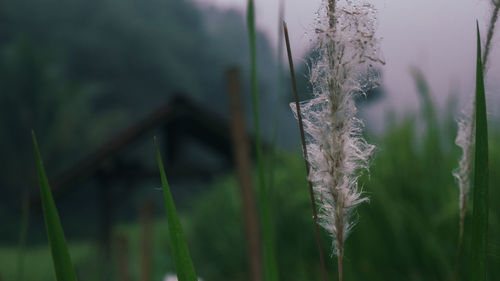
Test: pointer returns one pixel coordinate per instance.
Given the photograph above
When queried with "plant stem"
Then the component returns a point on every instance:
(460, 237)
(304, 149)
(340, 242)
(333, 88)
(340, 266)
(491, 31)
(331, 11)
(270, 267)
(243, 165)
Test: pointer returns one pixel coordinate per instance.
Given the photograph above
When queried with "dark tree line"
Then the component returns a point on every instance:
(77, 71)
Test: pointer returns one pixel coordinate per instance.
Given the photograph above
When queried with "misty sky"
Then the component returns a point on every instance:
(438, 36)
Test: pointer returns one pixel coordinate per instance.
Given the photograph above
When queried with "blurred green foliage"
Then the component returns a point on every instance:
(408, 231)
(79, 71)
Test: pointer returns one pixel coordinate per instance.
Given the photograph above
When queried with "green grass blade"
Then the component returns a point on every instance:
(60, 254)
(481, 179)
(182, 259)
(270, 267)
(424, 91)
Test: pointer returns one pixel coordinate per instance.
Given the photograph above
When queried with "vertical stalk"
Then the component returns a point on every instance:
(340, 243)
(281, 83)
(242, 159)
(304, 150)
(491, 31)
(340, 267)
(333, 87)
(122, 248)
(270, 267)
(331, 11)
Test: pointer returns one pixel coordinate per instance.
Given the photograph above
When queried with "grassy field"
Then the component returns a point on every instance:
(38, 261)
(408, 231)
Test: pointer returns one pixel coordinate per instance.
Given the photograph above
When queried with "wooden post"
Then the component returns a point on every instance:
(244, 168)
(122, 249)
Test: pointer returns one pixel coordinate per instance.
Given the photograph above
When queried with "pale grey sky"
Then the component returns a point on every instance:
(438, 36)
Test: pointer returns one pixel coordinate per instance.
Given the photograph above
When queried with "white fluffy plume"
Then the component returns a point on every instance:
(464, 140)
(346, 49)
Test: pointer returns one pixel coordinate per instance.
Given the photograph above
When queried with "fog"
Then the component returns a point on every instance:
(438, 37)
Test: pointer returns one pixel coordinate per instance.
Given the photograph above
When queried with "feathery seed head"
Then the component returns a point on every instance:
(346, 49)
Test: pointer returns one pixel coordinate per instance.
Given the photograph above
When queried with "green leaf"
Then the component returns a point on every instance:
(270, 267)
(59, 249)
(424, 91)
(182, 259)
(481, 178)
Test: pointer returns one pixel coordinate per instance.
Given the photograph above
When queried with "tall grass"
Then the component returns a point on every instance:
(270, 267)
(491, 31)
(478, 258)
(60, 254)
(182, 259)
(304, 150)
(337, 153)
(466, 139)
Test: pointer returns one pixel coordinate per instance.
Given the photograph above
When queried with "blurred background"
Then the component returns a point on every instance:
(96, 80)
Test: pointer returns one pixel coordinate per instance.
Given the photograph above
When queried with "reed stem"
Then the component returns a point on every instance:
(491, 31)
(304, 149)
(270, 266)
